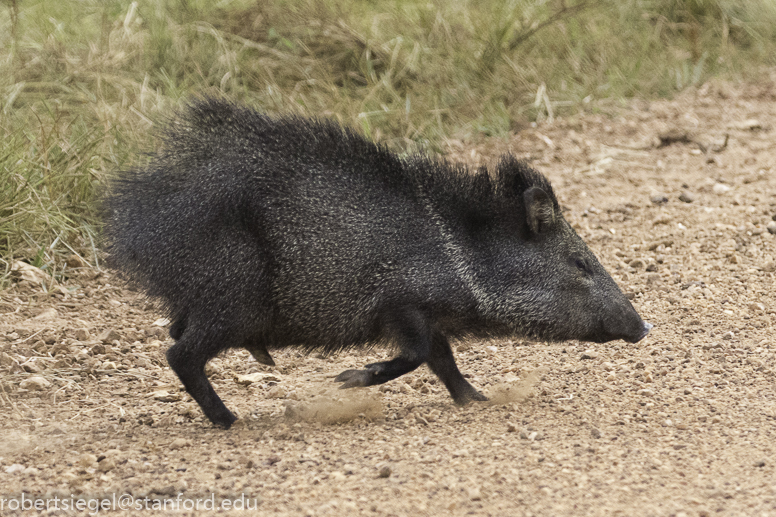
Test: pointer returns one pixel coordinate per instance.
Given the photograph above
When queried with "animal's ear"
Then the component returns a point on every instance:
(539, 210)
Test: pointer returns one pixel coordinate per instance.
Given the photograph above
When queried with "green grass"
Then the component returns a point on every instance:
(84, 82)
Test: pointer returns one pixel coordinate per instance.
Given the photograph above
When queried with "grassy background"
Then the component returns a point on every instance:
(84, 81)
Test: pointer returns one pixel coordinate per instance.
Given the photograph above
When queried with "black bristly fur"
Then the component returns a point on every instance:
(265, 233)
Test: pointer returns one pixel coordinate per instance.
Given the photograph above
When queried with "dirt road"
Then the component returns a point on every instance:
(674, 196)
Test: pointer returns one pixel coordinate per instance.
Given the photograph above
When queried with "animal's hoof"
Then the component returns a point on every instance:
(470, 396)
(354, 378)
(224, 420)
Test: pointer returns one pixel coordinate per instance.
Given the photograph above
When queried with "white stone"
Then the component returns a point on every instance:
(35, 383)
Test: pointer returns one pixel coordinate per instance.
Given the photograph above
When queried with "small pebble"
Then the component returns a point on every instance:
(156, 333)
(750, 124)
(474, 493)
(276, 393)
(757, 307)
(75, 261)
(35, 383)
(106, 465)
(7, 360)
(720, 188)
(87, 460)
(109, 336)
(292, 411)
(771, 227)
(686, 197)
(247, 380)
(658, 198)
(168, 490)
(595, 433)
(33, 366)
(589, 354)
(16, 467)
(179, 443)
(166, 396)
(47, 314)
(384, 472)
(81, 334)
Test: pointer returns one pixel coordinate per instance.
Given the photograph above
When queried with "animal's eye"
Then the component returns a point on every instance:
(581, 264)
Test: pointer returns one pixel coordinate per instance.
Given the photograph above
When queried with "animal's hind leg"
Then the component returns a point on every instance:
(225, 302)
(188, 358)
(442, 363)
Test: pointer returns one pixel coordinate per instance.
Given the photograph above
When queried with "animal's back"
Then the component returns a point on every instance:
(282, 212)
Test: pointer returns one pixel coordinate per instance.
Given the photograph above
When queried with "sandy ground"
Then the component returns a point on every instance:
(675, 197)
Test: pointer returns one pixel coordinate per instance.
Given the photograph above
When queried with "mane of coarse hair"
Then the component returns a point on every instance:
(479, 189)
(207, 124)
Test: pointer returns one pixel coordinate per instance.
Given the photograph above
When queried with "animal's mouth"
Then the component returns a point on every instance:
(644, 331)
(630, 338)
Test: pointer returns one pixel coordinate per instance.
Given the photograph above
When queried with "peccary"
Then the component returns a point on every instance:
(266, 233)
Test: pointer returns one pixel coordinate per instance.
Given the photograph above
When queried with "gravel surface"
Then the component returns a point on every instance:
(677, 198)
